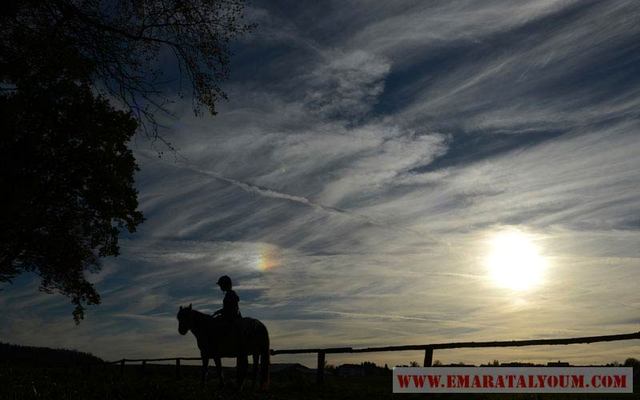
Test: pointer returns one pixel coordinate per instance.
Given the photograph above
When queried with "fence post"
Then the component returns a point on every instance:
(122, 367)
(320, 371)
(177, 368)
(428, 356)
(144, 364)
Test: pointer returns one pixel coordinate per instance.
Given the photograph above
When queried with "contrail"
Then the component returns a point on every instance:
(267, 192)
(270, 193)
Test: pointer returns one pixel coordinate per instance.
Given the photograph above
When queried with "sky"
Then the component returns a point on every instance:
(389, 173)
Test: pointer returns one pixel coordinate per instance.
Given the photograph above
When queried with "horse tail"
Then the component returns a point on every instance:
(264, 369)
(265, 357)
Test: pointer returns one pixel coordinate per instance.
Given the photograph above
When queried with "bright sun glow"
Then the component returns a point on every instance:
(514, 261)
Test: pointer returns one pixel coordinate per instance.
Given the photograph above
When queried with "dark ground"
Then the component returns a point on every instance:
(160, 382)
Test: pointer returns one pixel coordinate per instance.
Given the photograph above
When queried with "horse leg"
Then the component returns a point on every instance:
(264, 369)
(218, 363)
(205, 367)
(241, 369)
(254, 371)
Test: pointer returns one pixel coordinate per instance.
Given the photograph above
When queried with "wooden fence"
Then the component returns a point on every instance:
(427, 348)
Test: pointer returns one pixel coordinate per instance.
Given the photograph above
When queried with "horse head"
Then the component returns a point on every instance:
(185, 319)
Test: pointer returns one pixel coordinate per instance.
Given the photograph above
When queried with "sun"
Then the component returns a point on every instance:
(514, 261)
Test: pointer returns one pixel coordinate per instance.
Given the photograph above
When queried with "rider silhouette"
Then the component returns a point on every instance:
(230, 309)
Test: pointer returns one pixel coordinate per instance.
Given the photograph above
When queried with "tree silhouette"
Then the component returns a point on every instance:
(120, 43)
(67, 178)
(78, 78)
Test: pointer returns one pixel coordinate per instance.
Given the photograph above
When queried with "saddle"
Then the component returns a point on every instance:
(232, 334)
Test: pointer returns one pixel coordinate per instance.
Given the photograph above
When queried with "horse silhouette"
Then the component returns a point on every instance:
(219, 338)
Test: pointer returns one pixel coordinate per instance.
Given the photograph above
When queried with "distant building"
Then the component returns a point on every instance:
(348, 370)
(558, 364)
(290, 368)
(365, 369)
(518, 364)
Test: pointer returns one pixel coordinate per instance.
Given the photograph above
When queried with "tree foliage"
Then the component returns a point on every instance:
(126, 42)
(78, 78)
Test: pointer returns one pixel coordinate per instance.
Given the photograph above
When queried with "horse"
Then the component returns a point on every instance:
(219, 338)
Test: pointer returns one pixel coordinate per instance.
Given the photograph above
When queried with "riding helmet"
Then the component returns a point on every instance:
(224, 281)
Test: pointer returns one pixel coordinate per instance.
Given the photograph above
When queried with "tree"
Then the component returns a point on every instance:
(77, 80)
(631, 362)
(121, 42)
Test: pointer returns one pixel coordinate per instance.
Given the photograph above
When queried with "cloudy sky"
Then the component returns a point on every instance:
(390, 173)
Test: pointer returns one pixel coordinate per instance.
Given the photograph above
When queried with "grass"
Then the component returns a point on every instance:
(159, 382)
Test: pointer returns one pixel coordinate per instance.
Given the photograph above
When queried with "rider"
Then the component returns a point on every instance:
(230, 309)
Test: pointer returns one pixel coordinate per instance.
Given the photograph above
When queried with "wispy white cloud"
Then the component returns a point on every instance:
(347, 86)
(319, 188)
(403, 30)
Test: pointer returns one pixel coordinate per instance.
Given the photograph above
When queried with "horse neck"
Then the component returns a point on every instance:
(198, 319)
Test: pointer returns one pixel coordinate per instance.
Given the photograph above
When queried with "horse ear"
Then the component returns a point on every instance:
(181, 307)
(189, 306)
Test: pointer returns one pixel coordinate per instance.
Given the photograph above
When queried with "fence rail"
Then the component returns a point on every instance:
(427, 348)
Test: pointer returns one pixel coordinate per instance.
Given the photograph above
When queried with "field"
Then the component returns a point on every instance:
(159, 382)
